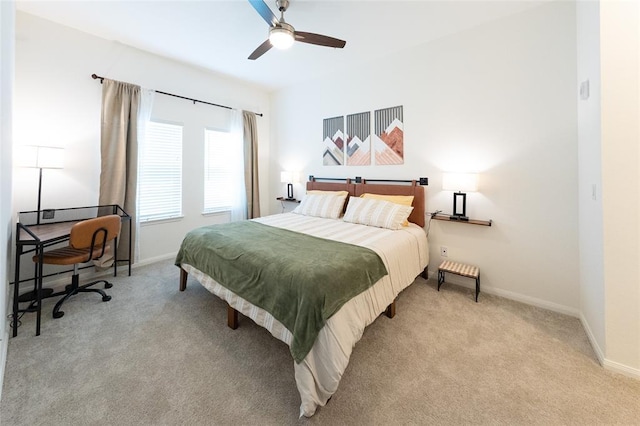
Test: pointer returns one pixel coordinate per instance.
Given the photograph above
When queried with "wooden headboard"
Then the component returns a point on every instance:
(357, 189)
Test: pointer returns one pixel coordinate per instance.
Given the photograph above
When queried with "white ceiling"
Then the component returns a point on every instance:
(219, 35)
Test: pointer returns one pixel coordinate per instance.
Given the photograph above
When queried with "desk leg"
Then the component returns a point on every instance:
(130, 237)
(39, 290)
(114, 247)
(16, 291)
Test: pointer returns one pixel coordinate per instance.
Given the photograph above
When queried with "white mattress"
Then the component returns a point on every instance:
(405, 255)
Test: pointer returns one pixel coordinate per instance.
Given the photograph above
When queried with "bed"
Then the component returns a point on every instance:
(321, 340)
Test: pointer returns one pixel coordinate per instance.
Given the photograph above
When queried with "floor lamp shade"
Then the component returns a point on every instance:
(460, 183)
(41, 157)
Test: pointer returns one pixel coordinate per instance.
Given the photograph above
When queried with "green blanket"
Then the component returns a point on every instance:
(299, 279)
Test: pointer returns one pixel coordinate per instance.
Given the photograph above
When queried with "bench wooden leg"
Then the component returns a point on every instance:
(391, 310)
(232, 317)
(183, 279)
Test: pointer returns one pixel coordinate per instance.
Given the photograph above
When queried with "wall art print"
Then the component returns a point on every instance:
(388, 139)
(359, 139)
(333, 137)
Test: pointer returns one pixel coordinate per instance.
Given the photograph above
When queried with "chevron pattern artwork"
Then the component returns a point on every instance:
(359, 139)
(333, 140)
(363, 144)
(388, 139)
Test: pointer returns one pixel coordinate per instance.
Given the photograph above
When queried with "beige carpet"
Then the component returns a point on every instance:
(156, 356)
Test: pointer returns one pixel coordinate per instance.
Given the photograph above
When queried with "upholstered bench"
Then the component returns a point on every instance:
(459, 269)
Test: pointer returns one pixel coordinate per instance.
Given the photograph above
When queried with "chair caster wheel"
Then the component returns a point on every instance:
(108, 285)
(58, 314)
(106, 298)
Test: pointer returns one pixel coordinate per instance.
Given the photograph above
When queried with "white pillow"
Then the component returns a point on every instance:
(374, 212)
(321, 205)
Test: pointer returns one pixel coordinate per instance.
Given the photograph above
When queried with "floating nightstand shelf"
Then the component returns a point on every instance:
(288, 204)
(449, 218)
(289, 200)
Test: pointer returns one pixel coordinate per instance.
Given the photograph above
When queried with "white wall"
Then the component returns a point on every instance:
(58, 103)
(592, 289)
(7, 13)
(620, 73)
(499, 99)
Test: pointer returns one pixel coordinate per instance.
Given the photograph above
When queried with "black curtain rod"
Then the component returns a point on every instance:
(97, 77)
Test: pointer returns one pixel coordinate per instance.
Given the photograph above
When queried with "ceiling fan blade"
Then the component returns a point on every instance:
(261, 50)
(261, 7)
(320, 40)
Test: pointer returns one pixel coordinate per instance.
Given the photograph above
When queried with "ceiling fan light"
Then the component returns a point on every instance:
(281, 38)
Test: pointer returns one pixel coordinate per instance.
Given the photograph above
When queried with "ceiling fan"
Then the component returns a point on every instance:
(282, 35)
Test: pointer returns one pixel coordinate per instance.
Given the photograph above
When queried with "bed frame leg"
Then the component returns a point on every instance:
(183, 279)
(425, 272)
(232, 317)
(391, 310)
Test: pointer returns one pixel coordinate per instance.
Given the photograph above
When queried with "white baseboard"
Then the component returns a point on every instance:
(621, 368)
(607, 363)
(592, 339)
(533, 301)
(4, 349)
(156, 259)
(555, 307)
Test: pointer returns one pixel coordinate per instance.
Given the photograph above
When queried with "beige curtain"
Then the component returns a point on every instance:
(250, 132)
(119, 156)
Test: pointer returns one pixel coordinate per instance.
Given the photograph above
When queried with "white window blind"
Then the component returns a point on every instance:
(220, 171)
(160, 175)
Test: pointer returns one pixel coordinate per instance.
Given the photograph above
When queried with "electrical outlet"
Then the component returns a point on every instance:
(48, 214)
(444, 251)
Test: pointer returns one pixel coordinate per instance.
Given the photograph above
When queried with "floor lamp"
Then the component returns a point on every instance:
(42, 157)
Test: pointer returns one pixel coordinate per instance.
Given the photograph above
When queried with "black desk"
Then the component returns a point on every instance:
(37, 230)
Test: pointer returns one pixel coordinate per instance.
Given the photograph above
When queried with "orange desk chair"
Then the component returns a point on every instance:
(87, 241)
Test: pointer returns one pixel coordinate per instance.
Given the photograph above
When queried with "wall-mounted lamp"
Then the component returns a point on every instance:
(460, 183)
(289, 178)
(40, 157)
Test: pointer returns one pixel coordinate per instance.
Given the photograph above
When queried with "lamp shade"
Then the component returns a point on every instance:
(289, 177)
(461, 182)
(286, 177)
(41, 157)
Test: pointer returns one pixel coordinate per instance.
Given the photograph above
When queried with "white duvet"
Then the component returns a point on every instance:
(404, 253)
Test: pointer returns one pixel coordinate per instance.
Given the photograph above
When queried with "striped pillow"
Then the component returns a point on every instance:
(321, 205)
(405, 200)
(373, 212)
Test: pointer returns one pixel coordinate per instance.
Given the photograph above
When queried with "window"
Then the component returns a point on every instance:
(221, 184)
(160, 175)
